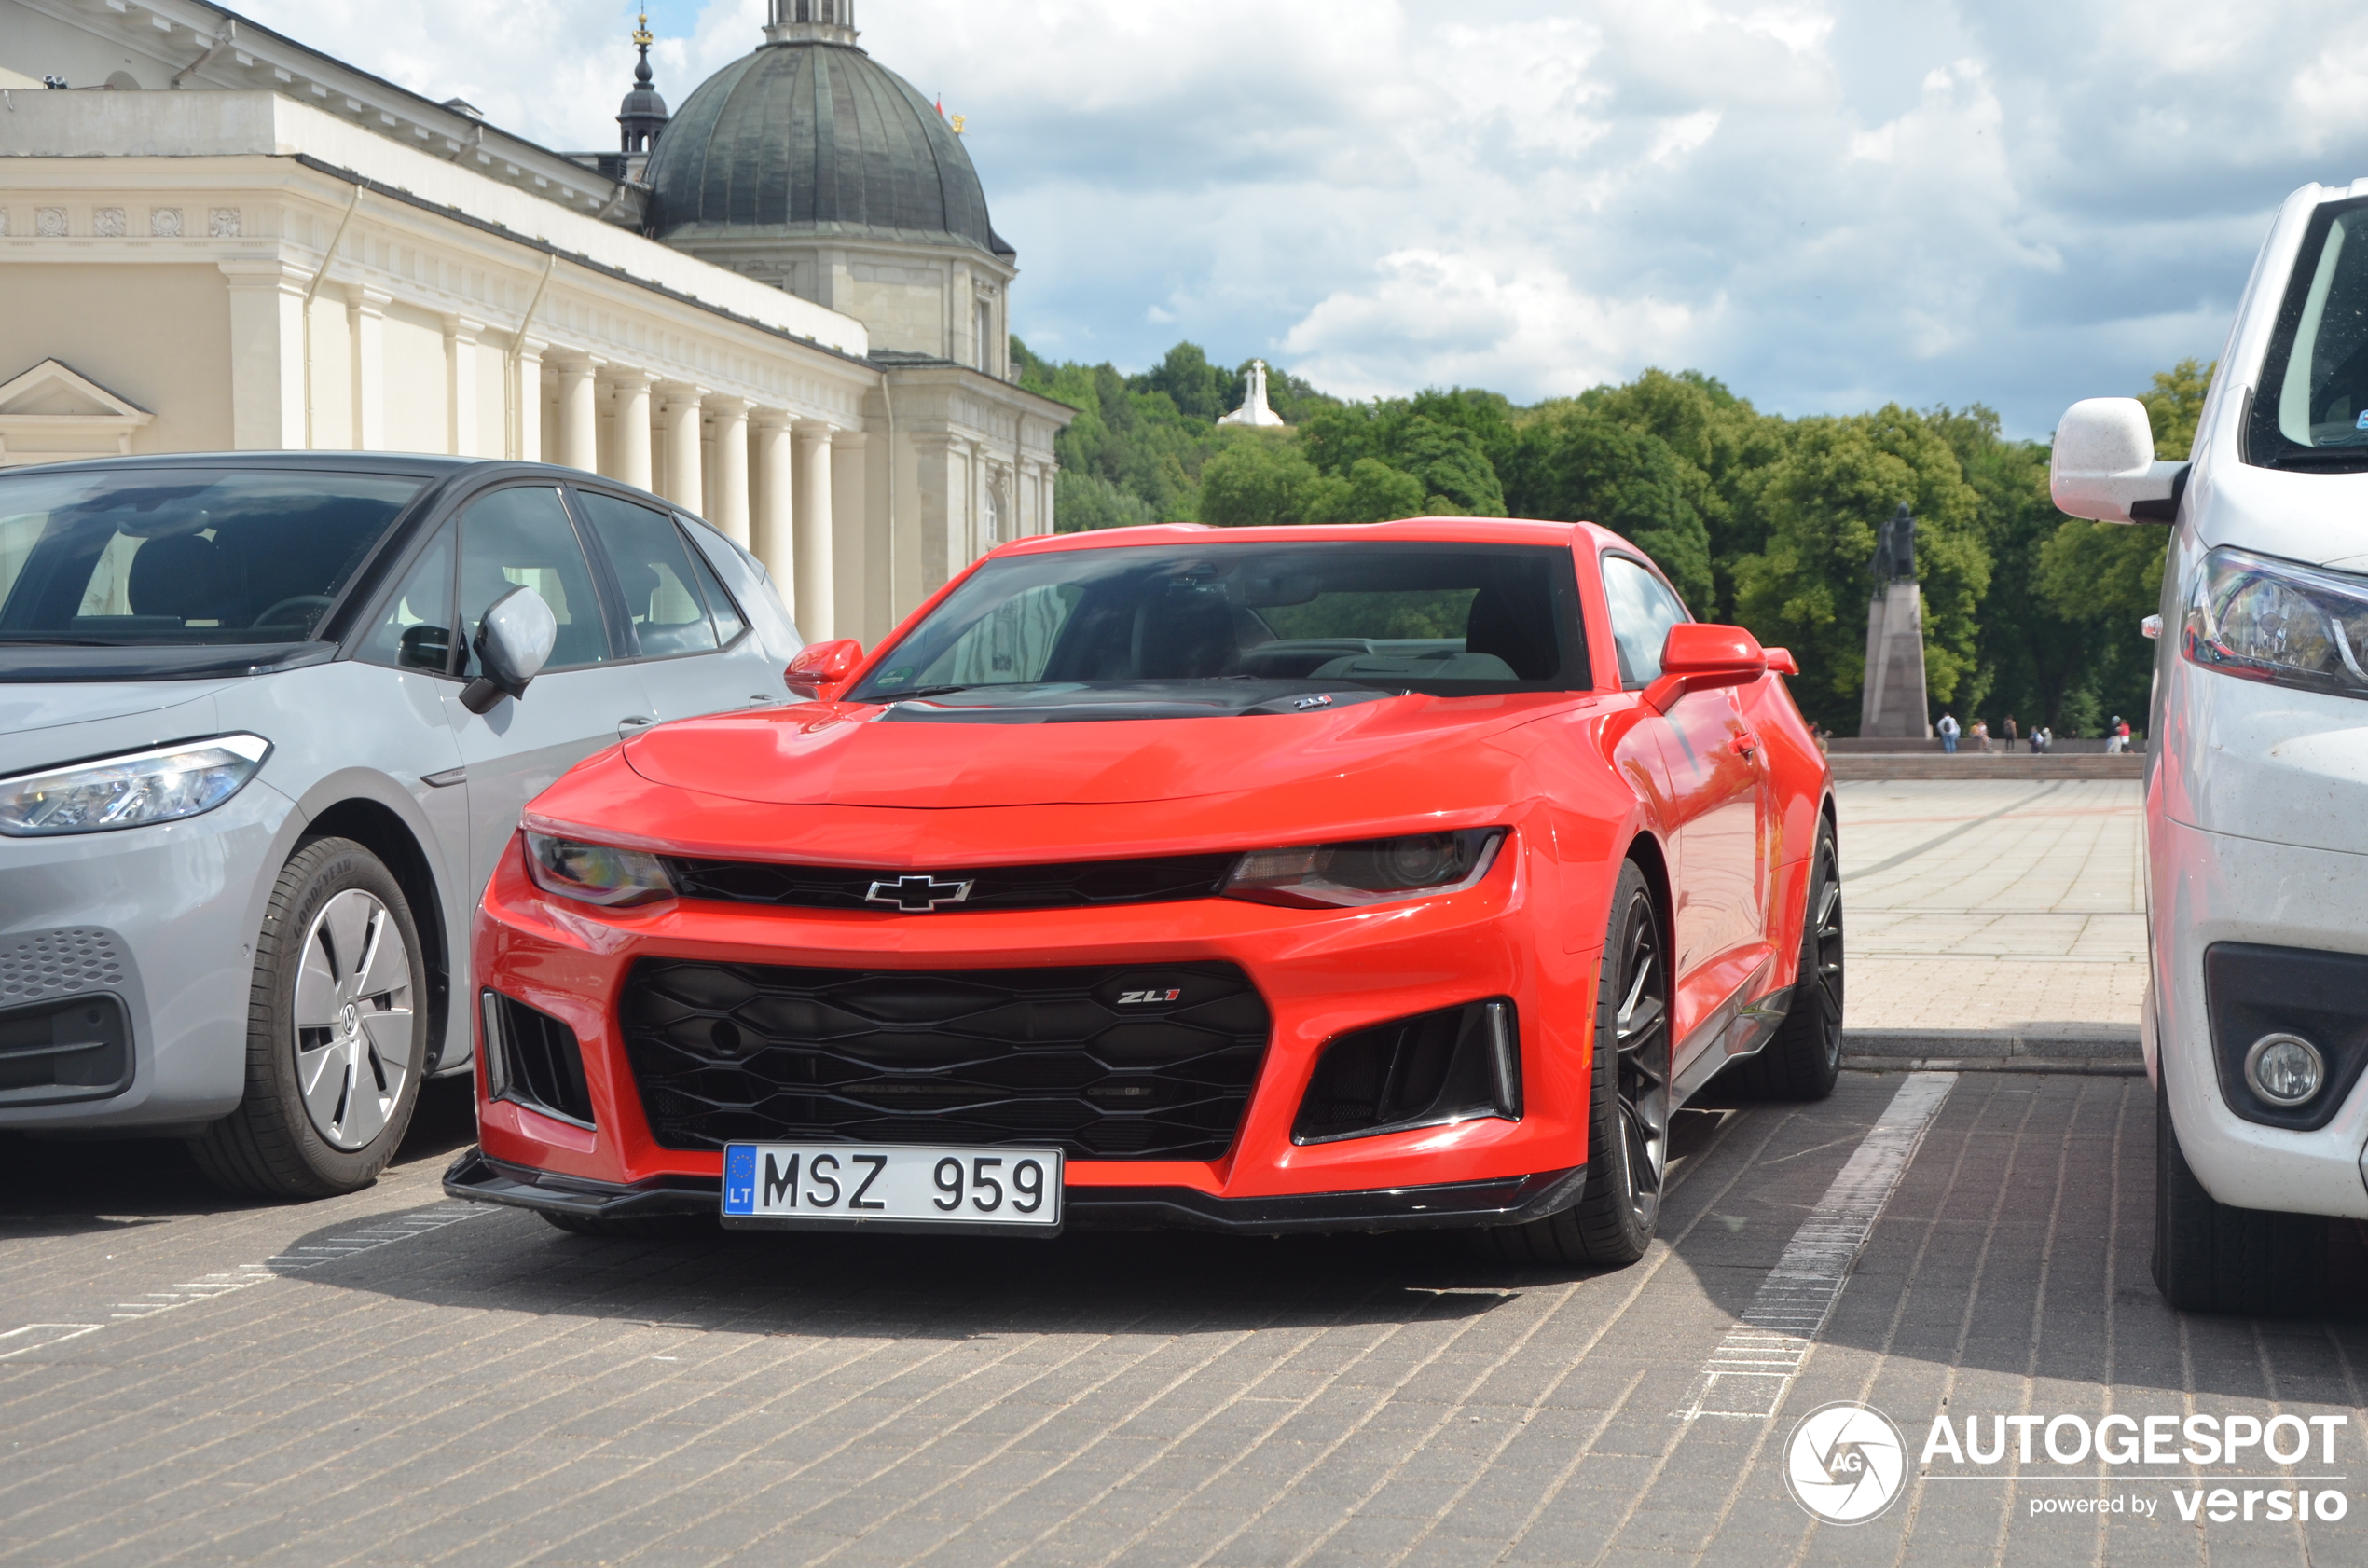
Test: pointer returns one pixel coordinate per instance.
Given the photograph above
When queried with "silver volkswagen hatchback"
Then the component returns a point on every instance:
(265, 723)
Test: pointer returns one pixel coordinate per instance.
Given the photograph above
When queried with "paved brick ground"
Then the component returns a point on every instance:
(489, 1391)
(2004, 906)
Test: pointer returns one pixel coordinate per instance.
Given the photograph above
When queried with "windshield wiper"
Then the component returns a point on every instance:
(13, 639)
(2319, 456)
(924, 692)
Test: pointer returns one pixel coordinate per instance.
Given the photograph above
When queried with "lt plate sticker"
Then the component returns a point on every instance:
(853, 1183)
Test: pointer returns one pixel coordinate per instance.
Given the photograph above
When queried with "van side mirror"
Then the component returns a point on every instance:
(819, 665)
(2103, 465)
(513, 644)
(1697, 657)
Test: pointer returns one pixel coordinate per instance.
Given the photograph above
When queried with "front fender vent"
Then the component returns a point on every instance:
(1455, 1064)
(533, 1060)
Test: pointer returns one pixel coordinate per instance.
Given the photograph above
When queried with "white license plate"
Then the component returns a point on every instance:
(899, 1186)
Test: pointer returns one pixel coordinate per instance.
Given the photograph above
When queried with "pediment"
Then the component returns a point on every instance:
(54, 391)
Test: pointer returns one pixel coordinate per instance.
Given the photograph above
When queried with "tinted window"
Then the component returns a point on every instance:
(2312, 409)
(653, 566)
(522, 538)
(414, 628)
(1447, 618)
(1643, 611)
(175, 558)
(729, 622)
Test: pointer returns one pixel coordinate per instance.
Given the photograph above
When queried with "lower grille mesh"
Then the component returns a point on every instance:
(1140, 1063)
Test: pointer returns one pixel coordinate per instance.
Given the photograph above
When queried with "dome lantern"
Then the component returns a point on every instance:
(811, 21)
(643, 115)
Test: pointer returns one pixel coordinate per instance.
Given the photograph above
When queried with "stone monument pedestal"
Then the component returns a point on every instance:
(1893, 702)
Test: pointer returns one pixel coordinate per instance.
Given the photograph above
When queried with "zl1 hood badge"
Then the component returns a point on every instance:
(918, 895)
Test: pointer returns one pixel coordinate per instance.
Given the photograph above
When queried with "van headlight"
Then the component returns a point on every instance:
(133, 791)
(2280, 623)
(1370, 871)
(596, 873)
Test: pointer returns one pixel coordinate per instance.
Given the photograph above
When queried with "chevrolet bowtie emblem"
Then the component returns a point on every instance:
(919, 894)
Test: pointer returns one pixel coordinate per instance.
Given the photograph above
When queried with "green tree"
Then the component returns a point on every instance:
(1808, 588)
(1088, 500)
(1571, 466)
(1445, 459)
(1261, 479)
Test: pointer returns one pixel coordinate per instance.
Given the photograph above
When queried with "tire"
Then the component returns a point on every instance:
(1805, 1058)
(1628, 1103)
(2210, 1258)
(337, 1007)
(651, 1227)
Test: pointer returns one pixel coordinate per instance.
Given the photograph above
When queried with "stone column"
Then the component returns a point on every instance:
(769, 538)
(632, 443)
(814, 605)
(728, 508)
(851, 537)
(367, 312)
(525, 381)
(681, 414)
(461, 338)
(267, 355)
(579, 413)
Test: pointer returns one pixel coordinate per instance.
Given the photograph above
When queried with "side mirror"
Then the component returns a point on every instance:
(2104, 466)
(822, 665)
(1696, 657)
(513, 644)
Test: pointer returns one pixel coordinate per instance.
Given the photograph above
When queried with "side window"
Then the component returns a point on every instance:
(414, 629)
(729, 621)
(1643, 611)
(653, 566)
(522, 538)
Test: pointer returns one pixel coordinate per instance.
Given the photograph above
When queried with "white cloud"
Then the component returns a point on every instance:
(1826, 204)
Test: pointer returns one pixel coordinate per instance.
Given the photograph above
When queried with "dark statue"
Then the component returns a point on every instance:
(1895, 548)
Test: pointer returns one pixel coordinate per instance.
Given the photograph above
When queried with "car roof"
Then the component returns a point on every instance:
(424, 465)
(1463, 530)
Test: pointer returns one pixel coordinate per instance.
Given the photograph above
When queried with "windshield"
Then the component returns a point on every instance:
(175, 559)
(1446, 618)
(2312, 409)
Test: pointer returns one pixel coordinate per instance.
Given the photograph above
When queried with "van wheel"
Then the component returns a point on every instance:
(1627, 1104)
(1805, 1059)
(336, 1033)
(2210, 1258)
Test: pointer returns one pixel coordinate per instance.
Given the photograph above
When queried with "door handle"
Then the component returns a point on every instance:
(631, 725)
(1745, 745)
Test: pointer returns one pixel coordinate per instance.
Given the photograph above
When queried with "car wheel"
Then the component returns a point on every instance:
(1628, 1104)
(2210, 1258)
(1805, 1058)
(336, 1032)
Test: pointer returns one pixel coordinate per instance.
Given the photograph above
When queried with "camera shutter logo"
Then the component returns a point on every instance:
(1845, 1462)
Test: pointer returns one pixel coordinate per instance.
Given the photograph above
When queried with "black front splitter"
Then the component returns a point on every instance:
(1451, 1206)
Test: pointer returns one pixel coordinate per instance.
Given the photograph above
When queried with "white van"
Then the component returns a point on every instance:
(2256, 1023)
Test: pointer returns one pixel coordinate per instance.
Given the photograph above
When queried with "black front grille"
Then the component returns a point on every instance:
(1077, 885)
(1150, 1061)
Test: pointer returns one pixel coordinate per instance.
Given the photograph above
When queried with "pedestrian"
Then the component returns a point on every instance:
(2115, 730)
(2125, 735)
(1947, 729)
(2011, 735)
(1981, 735)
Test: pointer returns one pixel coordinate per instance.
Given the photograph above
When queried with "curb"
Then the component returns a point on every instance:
(2095, 1048)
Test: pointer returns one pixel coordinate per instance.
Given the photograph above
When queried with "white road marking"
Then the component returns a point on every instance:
(1749, 1373)
(223, 1282)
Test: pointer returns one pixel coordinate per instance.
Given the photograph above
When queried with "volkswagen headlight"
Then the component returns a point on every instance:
(2279, 622)
(1373, 870)
(134, 791)
(596, 873)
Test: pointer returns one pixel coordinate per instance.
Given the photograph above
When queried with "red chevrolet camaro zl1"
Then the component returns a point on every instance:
(1260, 879)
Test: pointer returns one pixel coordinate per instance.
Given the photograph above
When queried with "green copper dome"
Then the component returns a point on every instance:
(810, 139)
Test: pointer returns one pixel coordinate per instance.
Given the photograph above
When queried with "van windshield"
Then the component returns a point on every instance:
(1242, 626)
(2311, 411)
(178, 559)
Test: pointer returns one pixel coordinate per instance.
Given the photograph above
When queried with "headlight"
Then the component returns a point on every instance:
(2278, 621)
(163, 785)
(597, 873)
(1375, 871)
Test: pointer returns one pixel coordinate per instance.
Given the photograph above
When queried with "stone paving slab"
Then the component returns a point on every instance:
(493, 1391)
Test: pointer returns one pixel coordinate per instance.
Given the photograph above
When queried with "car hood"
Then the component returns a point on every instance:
(843, 754)
(41, 706)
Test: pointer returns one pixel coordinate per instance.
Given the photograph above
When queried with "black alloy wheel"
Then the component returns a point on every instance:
(1805, 1058)
(1629, 1103)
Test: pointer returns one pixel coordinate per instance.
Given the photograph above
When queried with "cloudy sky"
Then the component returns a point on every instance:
(1829, 205)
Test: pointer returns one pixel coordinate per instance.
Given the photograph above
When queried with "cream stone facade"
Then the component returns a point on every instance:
(265, 268)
